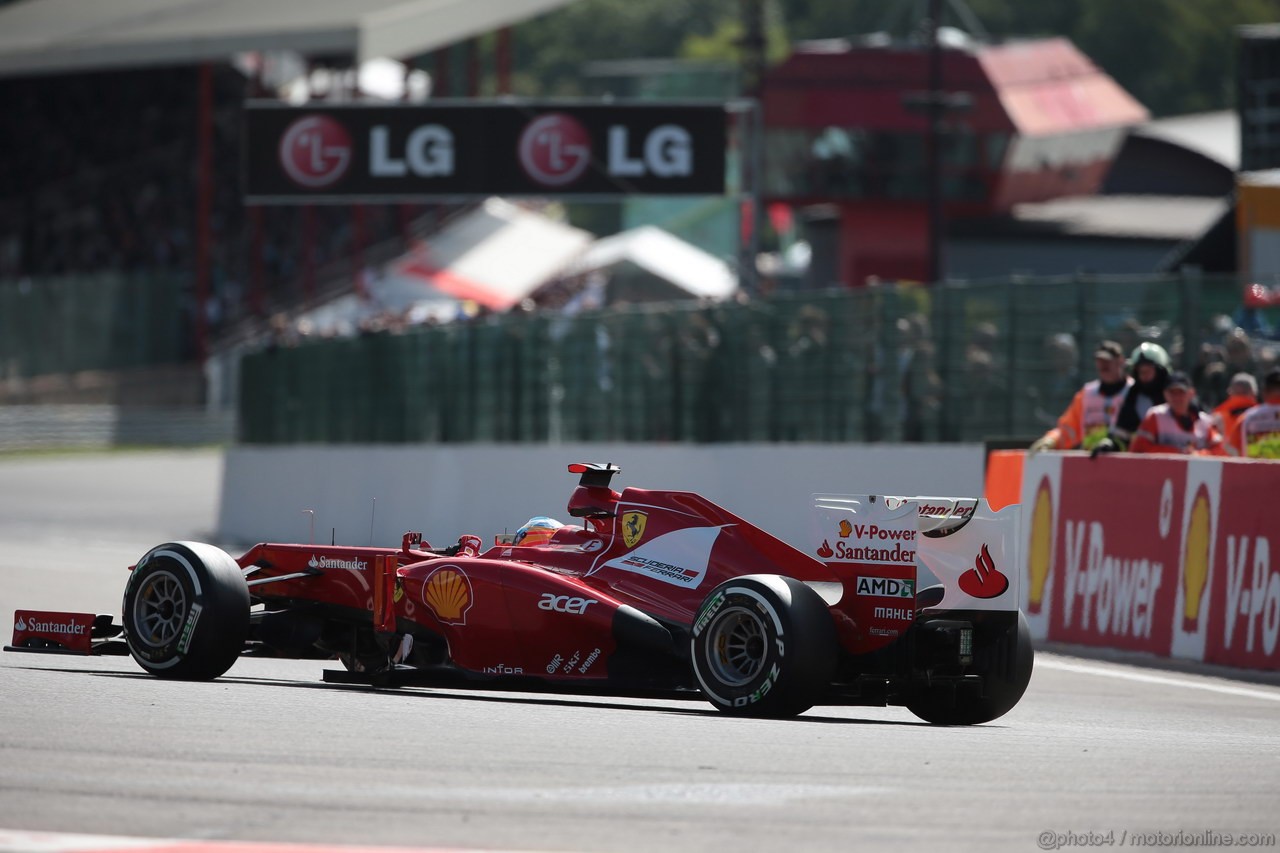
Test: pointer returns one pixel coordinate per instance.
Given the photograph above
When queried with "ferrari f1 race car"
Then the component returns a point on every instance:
(652, 593)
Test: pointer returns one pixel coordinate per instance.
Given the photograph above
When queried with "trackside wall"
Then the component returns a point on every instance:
(1155, 554)
(447, 491)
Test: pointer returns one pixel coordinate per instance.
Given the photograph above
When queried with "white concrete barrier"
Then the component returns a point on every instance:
(373, 494)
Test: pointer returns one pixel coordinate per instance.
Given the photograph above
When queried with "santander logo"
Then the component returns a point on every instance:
(984, 580)
(72, 628)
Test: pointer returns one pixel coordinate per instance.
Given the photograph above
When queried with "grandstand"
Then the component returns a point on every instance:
(123, 235)
(127, 256)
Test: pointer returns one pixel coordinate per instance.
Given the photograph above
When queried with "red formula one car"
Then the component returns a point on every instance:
(655, 592)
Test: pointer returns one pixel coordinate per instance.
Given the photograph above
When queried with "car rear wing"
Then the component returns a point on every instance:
(970, 548)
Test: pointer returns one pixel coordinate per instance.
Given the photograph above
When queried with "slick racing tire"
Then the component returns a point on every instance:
(764, 646)
(1004, 661)
(186, 611)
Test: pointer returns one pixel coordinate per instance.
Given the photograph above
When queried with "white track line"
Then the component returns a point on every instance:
(19, 841)
(1212, 687)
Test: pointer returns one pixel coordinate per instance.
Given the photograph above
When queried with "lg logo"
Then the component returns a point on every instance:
(555, 150)
(428, 153)
(315, 151)
(565, 603)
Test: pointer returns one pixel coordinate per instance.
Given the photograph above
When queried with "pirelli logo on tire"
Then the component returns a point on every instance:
(189, 628)
(709, 611)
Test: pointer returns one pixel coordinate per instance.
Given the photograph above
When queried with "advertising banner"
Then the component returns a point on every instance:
(1153, 554)
(1116, 552)
(346, 153)
(1242, 602)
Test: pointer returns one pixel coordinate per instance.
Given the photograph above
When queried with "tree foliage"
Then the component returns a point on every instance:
(1175, 56)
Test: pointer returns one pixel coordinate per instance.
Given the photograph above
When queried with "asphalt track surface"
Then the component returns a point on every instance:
(269, 753)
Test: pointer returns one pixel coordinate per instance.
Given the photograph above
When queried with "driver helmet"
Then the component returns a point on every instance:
(1147, 351)
(536, 531)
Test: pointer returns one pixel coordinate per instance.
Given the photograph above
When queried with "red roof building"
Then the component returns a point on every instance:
(1041, 121)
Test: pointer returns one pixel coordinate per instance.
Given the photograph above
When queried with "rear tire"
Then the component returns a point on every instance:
(1005, 663)
(764, 646)
(186, 611)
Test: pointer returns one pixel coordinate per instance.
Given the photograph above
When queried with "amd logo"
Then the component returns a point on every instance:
(886, 587)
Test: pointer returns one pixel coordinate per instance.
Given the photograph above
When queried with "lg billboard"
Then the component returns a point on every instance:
(349, 153)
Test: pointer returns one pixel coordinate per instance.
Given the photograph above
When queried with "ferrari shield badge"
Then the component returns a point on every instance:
(633, 527)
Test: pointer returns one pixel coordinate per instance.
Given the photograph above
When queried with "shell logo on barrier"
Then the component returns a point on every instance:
(1040, 552)
(447, 591)
(1195, 561)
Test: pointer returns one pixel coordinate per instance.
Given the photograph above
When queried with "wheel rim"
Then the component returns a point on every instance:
(736, 646)
(160, 609)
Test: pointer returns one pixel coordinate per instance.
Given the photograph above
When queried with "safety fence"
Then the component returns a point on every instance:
(50, 427)
(962, 361)
(109, 321)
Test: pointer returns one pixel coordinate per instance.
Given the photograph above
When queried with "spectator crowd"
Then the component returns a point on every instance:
(99, 174)
(1138, 404)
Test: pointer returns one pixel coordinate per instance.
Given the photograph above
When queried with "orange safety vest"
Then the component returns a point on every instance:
(1226, 417)
(1088, 418)
(1259, 431)
(1162, 432)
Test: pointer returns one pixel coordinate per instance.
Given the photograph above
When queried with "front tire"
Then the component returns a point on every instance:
(764, 646)
(186, 611)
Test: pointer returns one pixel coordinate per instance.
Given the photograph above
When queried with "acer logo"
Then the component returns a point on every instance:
(565, 603)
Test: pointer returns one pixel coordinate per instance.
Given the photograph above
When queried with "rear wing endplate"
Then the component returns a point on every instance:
(972, 549)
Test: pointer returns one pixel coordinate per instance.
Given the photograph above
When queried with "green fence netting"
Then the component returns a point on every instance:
(964, 361)
(108, 321)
